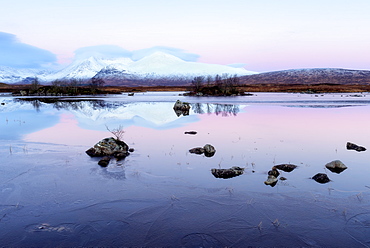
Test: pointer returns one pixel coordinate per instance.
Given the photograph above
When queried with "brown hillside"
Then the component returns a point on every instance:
(310, 76)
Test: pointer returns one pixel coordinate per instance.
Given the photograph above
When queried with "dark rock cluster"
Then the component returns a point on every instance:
(108, 148)
(273, 174)
(208, 150)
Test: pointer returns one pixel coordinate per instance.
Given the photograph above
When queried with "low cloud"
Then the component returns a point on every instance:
(16, 54)
(237, 65)
(112, 51)
(103, 51)
(139, 54)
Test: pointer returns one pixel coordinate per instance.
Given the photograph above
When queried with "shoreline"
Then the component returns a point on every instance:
(284, 88)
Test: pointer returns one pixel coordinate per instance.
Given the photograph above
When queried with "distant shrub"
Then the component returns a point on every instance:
(225, 85)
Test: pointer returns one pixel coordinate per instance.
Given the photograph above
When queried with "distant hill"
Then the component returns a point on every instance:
(309, 76)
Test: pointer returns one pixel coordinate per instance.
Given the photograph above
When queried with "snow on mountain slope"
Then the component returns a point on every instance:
(162, 64)
(12, 75)
(87, 68)
(156, 65)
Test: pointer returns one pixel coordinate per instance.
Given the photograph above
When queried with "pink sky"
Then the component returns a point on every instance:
(265, 35)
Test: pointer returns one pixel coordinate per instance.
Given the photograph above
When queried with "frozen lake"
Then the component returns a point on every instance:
(53, 194)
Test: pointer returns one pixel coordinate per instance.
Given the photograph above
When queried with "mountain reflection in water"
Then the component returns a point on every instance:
(223, 109)
(79, 104)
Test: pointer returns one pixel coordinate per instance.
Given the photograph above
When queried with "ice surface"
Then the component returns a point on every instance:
(53, 194)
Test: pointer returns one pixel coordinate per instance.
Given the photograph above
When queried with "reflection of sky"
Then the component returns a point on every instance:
(66, 132)
(19, 122)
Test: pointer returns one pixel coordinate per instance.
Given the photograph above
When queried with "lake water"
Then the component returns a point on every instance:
(53, 194)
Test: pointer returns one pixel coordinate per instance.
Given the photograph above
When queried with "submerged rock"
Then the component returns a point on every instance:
(351, 146)
(181, 108)
(104, 161)
(321, 178)
(271, 180)
(108, 147)
(121, 155)
(191, 132)
(336, 166)
(227, 173)
(285, 167)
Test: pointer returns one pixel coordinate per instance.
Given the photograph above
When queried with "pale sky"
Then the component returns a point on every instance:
(266, 35)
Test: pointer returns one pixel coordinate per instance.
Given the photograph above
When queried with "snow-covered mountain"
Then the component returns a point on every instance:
(156, 65)
(12, 75)
(163, 64)
(86, 68)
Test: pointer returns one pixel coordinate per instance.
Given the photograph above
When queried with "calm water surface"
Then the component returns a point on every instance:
(53, 194)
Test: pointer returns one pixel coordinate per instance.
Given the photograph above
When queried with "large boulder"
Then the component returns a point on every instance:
(227, 173)
(336, 166)
(181, 108)
(351, 146)
(109, 147)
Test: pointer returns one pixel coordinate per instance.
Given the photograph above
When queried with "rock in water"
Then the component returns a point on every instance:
(104, 161)
(108, 147)
(285, 167)
(181, 108)
(121, 155)
(227, 173)
(336, 166)
(197, 150)
(274, 172)
(321, 178)
(209, 150)
(191, 132)
(351, 146)
(271, 180)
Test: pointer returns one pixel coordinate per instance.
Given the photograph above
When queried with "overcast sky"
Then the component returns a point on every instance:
(265, 35)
